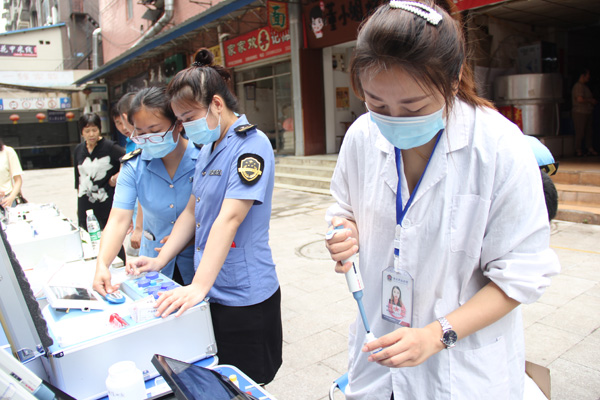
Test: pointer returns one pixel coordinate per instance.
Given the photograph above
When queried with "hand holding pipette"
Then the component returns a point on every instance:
(353, 276)
(342, 246)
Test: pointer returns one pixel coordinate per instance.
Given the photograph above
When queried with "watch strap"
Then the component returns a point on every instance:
(445, 324)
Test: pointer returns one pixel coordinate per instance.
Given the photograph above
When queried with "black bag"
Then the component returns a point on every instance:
(20, 199)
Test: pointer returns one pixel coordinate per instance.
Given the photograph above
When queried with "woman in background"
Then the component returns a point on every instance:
(11, 179)
(96, 162)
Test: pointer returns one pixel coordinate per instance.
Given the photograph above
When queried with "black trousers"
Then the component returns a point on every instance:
(250, 338)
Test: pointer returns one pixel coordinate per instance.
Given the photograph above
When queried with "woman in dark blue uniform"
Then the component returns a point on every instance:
(229, 214)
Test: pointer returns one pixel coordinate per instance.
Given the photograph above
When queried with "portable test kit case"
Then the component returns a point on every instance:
(62, 244)
(80, 369)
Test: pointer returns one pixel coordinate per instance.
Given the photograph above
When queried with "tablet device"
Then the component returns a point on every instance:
(193, 382)
(67, 297)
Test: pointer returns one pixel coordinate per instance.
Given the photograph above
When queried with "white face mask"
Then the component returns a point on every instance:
(409, 132)
(198, 131)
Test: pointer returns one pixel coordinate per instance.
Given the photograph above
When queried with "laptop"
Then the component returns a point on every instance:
(193, 382)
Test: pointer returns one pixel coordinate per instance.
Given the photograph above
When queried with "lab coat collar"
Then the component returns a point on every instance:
(436, 171)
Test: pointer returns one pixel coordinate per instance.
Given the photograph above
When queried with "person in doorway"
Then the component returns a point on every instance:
(583, 108)
(440, 192)
(11, 177)
(164, 164)
(229, 213)
(96, 162)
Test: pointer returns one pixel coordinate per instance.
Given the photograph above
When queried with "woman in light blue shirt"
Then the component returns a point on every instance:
(160, 175)
(228, 214)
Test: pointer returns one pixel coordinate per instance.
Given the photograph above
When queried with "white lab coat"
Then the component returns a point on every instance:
(479, 215)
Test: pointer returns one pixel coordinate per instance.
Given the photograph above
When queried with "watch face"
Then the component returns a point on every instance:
(450, 338)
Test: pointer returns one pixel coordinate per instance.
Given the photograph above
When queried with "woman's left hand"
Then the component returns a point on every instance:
(406, 347)
(113, 180)
(181, 298)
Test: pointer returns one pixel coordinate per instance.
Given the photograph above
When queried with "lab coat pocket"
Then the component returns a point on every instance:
(480, 373)
(468, 221)
(234, 273)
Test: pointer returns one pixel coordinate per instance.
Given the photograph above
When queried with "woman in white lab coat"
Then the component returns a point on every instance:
(441, 195)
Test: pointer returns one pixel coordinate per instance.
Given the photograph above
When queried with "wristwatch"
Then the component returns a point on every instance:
(449, 337)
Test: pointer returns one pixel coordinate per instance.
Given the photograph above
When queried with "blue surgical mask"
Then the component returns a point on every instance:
(159, 150)
(198, 132)
(409, 132)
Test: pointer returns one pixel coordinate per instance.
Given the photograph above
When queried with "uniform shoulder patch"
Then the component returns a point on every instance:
(245, 128)
(131, 155)
(250, 168)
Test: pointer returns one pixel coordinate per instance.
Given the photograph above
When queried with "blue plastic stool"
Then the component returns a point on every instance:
(340, 383)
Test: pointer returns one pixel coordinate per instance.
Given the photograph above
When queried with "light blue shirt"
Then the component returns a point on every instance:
(162, 199)
(248, 274)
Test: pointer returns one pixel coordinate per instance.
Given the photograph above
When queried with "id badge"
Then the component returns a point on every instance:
(397, 296)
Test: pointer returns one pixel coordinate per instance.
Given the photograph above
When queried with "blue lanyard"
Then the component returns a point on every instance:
(400, 213)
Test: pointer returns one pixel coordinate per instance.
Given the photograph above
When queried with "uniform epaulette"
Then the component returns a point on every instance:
(131, 155)
(245, 128)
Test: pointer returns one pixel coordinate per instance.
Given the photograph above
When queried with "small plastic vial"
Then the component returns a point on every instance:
(233, 378)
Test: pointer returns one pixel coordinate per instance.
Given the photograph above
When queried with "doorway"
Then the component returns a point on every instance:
(265, 96)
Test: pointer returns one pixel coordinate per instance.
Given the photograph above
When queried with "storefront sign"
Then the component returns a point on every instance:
(328, 23)
(57, 116)
(332, 22)
(216, 50)
(37, 78)
(462, 5)
(278, 15)
(18, 50)
(33, 103)
(257, 45)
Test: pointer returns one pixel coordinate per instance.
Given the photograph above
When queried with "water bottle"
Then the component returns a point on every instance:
(125, 382)
(93, 228)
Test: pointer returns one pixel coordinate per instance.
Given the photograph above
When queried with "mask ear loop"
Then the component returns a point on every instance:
(422, 10)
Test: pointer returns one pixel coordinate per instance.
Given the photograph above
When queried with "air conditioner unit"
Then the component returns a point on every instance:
(23, 25)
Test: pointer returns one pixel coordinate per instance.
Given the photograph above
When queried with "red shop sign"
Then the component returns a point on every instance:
(257, 45)
(462, 5)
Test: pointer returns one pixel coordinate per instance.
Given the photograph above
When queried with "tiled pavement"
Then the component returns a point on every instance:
(561, 329)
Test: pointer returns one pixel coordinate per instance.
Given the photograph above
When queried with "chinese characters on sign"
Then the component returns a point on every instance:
(278, 16)
(259, 44)
(18, 50)
(263, 43)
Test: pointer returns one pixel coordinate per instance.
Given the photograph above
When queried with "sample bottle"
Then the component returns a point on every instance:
(93, 228)
(234, 379)
(125, 382)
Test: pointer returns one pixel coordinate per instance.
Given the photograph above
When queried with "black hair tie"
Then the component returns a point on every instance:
(198, 64)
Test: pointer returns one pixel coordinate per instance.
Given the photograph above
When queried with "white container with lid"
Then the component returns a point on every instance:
(125, 382)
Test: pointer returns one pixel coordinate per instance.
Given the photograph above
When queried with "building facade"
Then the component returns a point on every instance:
(47, 47)
(290, 60)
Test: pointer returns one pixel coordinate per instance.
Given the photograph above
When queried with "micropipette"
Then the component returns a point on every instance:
(355, 284)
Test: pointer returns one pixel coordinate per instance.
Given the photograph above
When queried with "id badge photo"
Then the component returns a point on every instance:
(397, 297)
